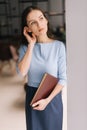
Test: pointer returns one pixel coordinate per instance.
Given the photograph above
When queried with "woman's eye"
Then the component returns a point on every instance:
(32, 23)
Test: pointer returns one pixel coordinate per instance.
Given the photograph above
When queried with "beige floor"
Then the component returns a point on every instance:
(12, 115)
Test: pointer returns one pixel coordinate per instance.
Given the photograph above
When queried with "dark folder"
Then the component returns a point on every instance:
(45, 88)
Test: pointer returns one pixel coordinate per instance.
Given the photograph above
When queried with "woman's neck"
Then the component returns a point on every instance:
(44, 39)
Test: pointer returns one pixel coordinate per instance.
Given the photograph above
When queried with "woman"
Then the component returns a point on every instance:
(39, 54)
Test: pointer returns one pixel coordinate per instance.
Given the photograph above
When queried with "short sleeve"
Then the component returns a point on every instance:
(62, 65)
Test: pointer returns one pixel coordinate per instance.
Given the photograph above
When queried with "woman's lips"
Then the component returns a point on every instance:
(41, 29)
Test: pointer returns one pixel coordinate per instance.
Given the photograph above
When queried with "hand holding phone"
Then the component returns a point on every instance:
(31, 38)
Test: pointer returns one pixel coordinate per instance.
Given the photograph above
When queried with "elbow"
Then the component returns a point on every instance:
(63, 82)
(22, 74)
(21, 71)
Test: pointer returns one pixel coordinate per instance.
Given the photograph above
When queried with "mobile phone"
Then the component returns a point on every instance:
(30, 34)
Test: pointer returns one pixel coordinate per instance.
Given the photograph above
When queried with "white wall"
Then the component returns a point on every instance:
(76, 37)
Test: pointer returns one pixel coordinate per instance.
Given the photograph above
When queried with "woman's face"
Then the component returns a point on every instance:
(37, 23)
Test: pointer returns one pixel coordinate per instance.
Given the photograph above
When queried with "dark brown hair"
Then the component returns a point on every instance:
(24, 22)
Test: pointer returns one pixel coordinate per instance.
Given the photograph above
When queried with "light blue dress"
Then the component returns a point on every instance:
(50, 58)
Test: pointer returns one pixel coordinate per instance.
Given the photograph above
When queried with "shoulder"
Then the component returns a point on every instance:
(59, 44)
(23, 48)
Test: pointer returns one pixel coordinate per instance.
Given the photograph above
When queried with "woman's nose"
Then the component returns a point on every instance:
(39, 24)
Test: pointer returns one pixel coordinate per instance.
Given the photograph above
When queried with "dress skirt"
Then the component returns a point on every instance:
(49, 119)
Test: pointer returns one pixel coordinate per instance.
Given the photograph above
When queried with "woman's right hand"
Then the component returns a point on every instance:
(31, 40)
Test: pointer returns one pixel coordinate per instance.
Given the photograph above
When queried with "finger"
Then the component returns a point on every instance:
(26, 28)
(35, 104)
(33, 35)
(36, 108)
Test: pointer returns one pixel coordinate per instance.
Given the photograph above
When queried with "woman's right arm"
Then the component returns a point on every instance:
(24, 63)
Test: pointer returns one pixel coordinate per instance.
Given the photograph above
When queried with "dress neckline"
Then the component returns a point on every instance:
(46, 43)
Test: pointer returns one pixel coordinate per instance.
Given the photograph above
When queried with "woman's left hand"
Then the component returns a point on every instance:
(40, 105)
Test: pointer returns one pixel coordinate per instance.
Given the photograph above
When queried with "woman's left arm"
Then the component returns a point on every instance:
(61, 73)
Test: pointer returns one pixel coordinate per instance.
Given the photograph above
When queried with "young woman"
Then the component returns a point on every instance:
(38, 54)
